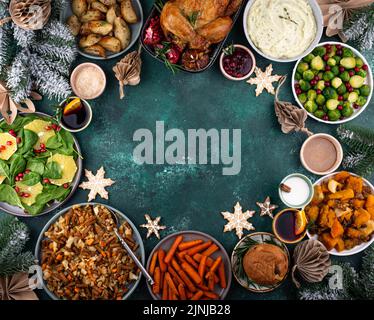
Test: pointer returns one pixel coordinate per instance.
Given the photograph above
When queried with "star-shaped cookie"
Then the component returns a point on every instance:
(266, 207)
(238, 220)
(96, 184)
(152, 226)
(264, 80)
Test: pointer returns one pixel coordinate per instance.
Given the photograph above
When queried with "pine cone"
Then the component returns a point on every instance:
(30, 14)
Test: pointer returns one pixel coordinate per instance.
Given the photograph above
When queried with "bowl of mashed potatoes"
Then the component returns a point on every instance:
(283, 30)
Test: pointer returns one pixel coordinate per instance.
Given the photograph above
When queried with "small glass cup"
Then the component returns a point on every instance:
(284, 226)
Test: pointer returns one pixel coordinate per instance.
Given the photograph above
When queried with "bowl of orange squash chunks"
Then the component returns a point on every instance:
(341, 213)
(189, 265)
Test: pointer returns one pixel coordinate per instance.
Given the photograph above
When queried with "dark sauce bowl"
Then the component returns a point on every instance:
(76, 122)
(243, 60)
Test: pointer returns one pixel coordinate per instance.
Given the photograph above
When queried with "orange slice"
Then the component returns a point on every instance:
(300, 222)
(72, 106)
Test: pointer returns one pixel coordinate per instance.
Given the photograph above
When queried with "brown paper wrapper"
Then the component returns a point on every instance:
(16, 287)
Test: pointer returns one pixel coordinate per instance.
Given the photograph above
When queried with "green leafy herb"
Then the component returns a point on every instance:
(17, 165)
(192, 18)
(53, 142)
(288, 16)
(4, 169)
(9, 195)
(162, 52)
(52, 170)
(228, 51)
(36, 165)
(28, 140)
(31, 179)
(159, 4)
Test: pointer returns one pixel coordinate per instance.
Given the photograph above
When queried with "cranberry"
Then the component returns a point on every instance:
(58, 128)
(341, 69)
(26, 195)
(12, 132)
(66, 185)
(297, 86)
(356, 106)
(328, 50)
(327, 46)
(313, 82)
(327, 83)
(338, 46)
(350, 89)
(16, 189)
(46, 181)
(365, 67)
(16, 178)
(339, 52)
(9, 143)
(21, 194)
(340, 107)
(298, 91)
(319, 91)
(326, 57)
(2, 148)
(316, 78)
(348, 85)
(326, 118)
(351, 73)
(340, 98)
(327, 68)
(20, 175)
(341, 118)
(19, 140)
(42, 146)
(357, 69)
(36, 150)
(43, 150)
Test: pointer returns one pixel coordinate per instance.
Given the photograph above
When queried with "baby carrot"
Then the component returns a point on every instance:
(209, 261)
(222, 276)
(165, 290)
(191, 272)
(202, 266)
(171, 283)
(214, 267)
(175, 274)
(182, 292)
(189, 244)
(191, 261)
(213, 248)
(197, 295)
(173, 248)
(152, 266)
(183, 276)
(198, 248)
(157, 279)
(161, 257)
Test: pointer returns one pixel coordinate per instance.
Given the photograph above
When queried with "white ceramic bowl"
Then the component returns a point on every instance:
(248, 74)
(356, 249)
(319, 21)
(368, 81)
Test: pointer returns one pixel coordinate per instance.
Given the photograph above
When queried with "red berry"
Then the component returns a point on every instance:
(313, 82)
(21, 194)
(338, 46)
(48, 128)
(342, 118)
(339, 52)
(12, 132)
(327, 68)
(16, 178)
(20, 175)
(327, 83)
(350, 89)
(319, 91)
(340, 98)
(341, 69)
(66, 185)
(356, 106)
(357, 69)
(46, 181)
(36, 150)
(27, 171)
(326, 57)
(365, 67)
(351, 73)
(42, 146)
(297, 86)
(58, 128)
(348, 85)
(340, 107)
(16, 189)
(316, 78)
(9, 143)
(43, 150)
(298, 91)
(326, 118)
(2, 148)
(19, 140)
(26, 195)
(327, 46)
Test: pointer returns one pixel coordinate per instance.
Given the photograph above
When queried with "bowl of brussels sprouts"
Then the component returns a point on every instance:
(333, 83)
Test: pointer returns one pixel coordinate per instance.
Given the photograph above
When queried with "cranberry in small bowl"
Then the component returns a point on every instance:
(237, 62)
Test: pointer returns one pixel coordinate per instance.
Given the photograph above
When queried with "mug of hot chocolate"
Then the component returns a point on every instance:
(321, 154)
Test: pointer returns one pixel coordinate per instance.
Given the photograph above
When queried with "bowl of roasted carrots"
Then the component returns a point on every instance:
(189, 265)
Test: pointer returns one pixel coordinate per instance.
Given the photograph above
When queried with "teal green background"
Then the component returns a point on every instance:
(191, 197)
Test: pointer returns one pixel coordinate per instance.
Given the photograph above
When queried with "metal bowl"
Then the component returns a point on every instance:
(319, 22)
(138, 239)
(189, 235)
(16, 211)
(135, 31)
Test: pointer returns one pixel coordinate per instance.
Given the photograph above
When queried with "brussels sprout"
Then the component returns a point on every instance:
(298, 76)
(304, 85)
(332, 104)
(319, 51)
(331, 62)
(362, 73)
(348, 63)
(317, 63)
(361, 101)
(332, 51)
(308, 75)
(346, 95)
(320, 75)
(337, 59)
(336, 82)
(328, 75)
(365, 90)
(320, 100)
(359, 62)
(347, 53)
(330, 93)
(345, 76)
(335, 70)
(347, 110)
(320, 85)
(342, 89)
(352, 97)
(302, 97)
(311, 106)
(308, 58)
(303, 66)
(319, 114)
(356, 81)
(334, 115)
(312, 94)
(357, 91)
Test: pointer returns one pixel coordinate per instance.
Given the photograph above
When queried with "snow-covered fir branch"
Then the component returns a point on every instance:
(24, 38)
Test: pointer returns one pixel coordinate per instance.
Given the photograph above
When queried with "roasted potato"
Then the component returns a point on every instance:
(122, 32)
(112, 44)
(108, 2)
(91, 15)
(74, 24)
(97, 5)
(89, 41)
(128, 12)
(96, 50)
(79, 7)
(85, 29)
(111, 15)
(100, 27)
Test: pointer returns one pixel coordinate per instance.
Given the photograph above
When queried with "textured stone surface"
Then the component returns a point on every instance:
(191, 197)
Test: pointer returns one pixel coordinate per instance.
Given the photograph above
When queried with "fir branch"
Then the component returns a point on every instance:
(24, 38)
(57, 7)
(367, 275)
(159, 5)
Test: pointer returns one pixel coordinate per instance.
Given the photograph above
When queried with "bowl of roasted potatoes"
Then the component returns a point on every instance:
(341, 214)
(104, 29)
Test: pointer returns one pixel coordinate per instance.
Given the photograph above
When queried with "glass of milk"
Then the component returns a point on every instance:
(301, 192)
